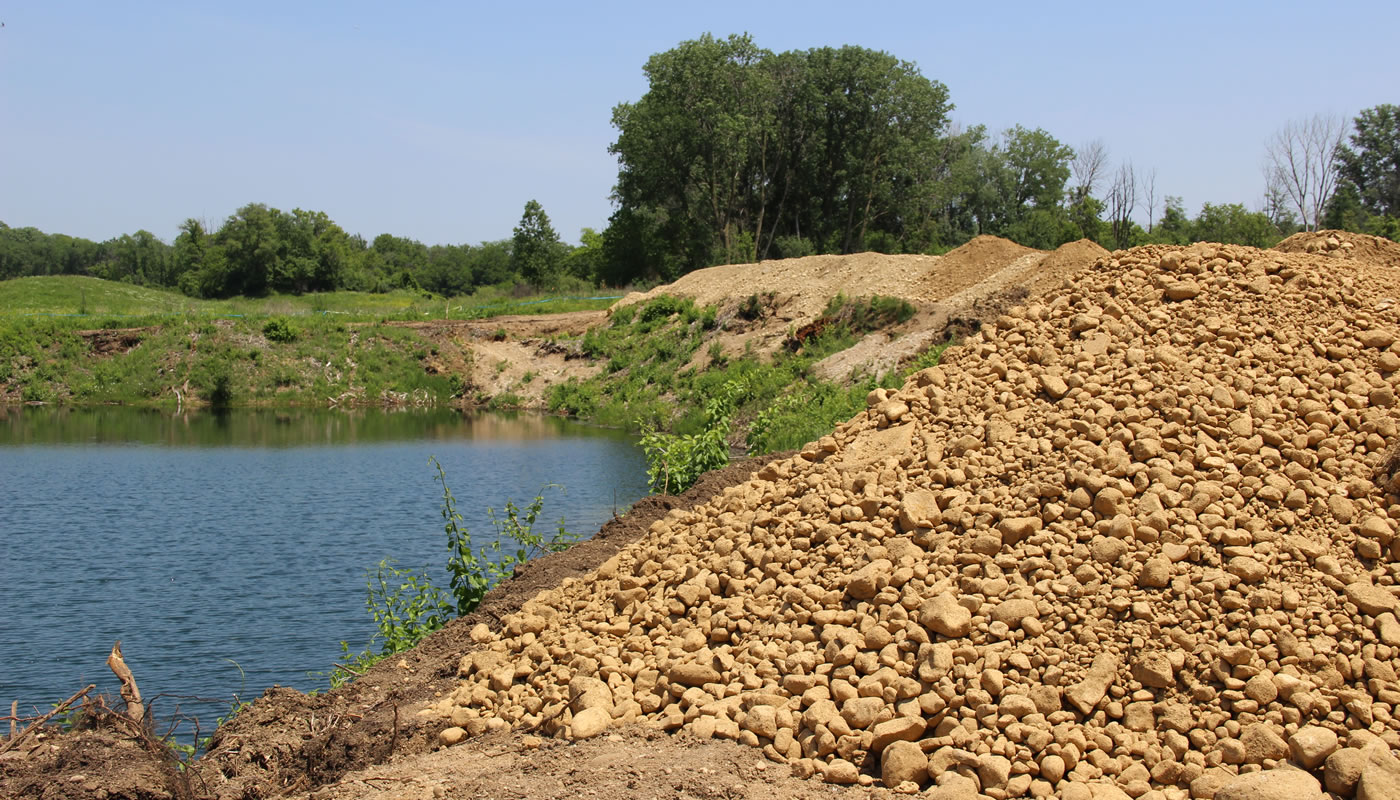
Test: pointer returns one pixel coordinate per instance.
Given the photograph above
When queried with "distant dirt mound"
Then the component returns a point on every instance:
(983, 252)
(1341, 243)
(1066, 260)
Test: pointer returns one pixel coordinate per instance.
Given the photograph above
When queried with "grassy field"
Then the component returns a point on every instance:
(71, 295)
(74, 340)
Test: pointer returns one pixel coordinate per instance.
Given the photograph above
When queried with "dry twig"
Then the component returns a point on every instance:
(14, 740)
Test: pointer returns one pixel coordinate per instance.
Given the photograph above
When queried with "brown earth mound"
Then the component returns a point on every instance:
(1065, 261)
(1372, 249)
(1127, 537)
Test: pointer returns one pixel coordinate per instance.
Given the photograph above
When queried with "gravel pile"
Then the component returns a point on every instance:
(1139, 538)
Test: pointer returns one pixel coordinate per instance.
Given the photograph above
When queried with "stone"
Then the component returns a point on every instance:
(451, 736)
(1311, 745)
(1262, 743)
(993, 771)
(762, 721)
(898, 729)
(1380, 778)
(586, 691)
(1054, 385)
(1182, 290)
(918, 510)
(1086, 694)
(589, 723)
(692, 674)
(1282, 783)
(1371, 599)
(1342, 771)
(1154, 670)
(903, 761)
(943, 615)
(1013, 611)
(1052, 768)
(840, 771)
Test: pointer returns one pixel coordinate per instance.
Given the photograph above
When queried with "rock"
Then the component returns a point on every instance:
(870, 579)
(1054, 385)
(1380, 778)
(1262, 743)
(1377, 338)
(586, 691)
(993, 771)
(1377, 528)
(1311, 745)
(861, 712)
(1052, 768)
(840, 771)
(762, 721)
(451, 736)
(1156, 573)
(1283, 783)
(898, 729)
(1342, 771)
(919, 510)
(1087, 693)
(1182, 290)
(693, 674)
(1371, 599)
(1154, 670)
(1013, 611)
(903, 761)
(589, 723)
(943, 615)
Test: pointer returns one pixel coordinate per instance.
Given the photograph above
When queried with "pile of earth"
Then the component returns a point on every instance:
(1138, 537)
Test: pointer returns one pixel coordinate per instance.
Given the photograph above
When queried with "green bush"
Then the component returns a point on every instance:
(279, 329)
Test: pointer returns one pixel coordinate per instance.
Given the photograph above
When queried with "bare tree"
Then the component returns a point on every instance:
(1149, 196)
(1300, 161)
(1122, 197)
(1087, 167)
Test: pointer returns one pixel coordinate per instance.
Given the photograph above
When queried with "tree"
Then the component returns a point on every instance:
(1301, 163)
(1087, 167)
(1122, 198)
(535, 252)
(733, 149)
(1372, 161)
(1149, 196)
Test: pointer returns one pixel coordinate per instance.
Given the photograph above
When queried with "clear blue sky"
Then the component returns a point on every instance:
(438, 121)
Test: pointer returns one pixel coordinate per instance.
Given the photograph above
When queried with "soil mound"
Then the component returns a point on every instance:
(1128, 535)
(984, 254)
(1372, 249)
(1066, 260)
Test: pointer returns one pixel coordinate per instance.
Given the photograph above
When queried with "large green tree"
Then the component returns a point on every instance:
(736, 153)
(1372, 161)
(535, 248)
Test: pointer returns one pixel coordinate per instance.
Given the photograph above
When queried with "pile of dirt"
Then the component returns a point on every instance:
(1065, 261)
(1360, 246)
(1125, 541)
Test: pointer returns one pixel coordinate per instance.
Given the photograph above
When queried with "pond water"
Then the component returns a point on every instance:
(229, 552)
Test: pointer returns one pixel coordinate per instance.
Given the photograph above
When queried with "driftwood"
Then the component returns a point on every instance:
(135, 710)
(58, 709)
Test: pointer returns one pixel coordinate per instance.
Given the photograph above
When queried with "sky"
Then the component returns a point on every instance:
(439, 121)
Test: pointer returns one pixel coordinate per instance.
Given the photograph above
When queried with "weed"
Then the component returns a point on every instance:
(407, 606)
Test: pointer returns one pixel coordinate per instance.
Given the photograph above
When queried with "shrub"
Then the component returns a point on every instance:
(279, 329)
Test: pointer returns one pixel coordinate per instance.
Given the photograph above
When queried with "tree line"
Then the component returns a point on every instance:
(736, 154)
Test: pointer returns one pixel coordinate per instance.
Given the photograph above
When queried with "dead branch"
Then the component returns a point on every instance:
(130, 693)
(14, 740)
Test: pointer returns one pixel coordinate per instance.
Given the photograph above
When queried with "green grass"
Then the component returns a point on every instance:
(63, 295)
(647, 383)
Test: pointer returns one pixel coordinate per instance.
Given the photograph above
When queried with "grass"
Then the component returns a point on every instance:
(71, 295)
(333, 348)
(647, 382)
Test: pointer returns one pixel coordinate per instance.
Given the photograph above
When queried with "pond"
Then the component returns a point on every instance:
(229, 552)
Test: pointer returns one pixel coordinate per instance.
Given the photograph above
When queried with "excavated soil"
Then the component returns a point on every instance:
(1127, 541)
